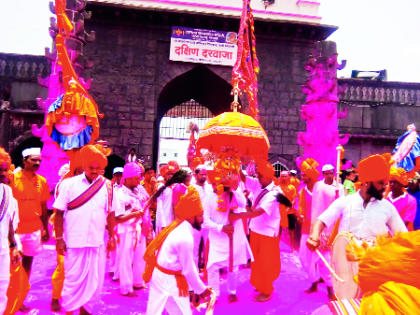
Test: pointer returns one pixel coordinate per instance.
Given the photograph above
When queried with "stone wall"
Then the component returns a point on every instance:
(132, 67)
(19, 90)
(378, 113)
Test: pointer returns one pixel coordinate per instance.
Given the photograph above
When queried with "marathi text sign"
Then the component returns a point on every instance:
(203, 46)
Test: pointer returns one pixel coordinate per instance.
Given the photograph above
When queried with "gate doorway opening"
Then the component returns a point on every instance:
(173, 135)
(194, 96)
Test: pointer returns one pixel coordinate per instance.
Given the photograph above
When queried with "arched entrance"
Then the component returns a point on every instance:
(200, 87)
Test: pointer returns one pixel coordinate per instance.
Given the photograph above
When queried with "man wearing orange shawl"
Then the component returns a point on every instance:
(364, 214)
(86, 201)
(265, 227)
(324, 194)
(9, 219)
(170, 266)
(309, 175)
(405, 204)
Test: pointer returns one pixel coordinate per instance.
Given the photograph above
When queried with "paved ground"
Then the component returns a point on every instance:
(288, 297)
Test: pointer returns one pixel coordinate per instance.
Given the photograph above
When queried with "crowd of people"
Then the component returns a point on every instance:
(172, 232)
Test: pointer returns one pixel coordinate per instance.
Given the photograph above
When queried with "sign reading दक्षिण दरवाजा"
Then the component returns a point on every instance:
(203, 46)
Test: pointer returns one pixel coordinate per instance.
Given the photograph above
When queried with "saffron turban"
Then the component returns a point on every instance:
(309, 168)
(94, 153)
(5, 158)
(189, 205)
(171, 166)
(373, 168)
(265, 169)
(399, 174)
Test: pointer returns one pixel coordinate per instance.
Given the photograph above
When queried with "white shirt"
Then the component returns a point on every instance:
(340, 187)
(379, 217)
(124, 203)
(84, 226)
(164, 213)
(11, 214)
(214, 221)
(176, 254)
(268, 223)
(131, 158)
(204, 191)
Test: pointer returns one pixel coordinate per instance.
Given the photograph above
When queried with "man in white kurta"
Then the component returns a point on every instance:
(217, 223)
(128, 207)
(204, 189)
(365, 214)
(265, 228)
(80, 232)
(9, 220)
(323, 195)
(175, 257)
(164, 210)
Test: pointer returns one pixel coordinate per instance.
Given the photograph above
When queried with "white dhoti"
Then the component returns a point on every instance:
(164, 294)
(112, 260)
(131, 264)
(214, 277)
(31, 243)
(304, 253)
(4, 280)
(117, 262)
(317, 268)
(84, 277)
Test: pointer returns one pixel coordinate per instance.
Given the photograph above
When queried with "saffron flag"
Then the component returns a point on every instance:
(246, 68)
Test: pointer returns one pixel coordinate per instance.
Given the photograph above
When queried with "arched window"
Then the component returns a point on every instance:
(279, 168)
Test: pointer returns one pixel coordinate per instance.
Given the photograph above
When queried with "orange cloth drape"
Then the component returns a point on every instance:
(57, 278)
(265, 268)
(18, 289)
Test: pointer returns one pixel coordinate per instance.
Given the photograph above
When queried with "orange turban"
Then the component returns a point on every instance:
(171, 166)
(399, 174)
(94, 153)
(5, 158)
(373, 168)
(309, 168)
(265, 169)
(190, 204)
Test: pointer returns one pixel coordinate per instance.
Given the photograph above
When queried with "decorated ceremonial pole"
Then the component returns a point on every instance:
(72, 116)
(320, 111)
(232, 135)
(75, 39)
(338, 172)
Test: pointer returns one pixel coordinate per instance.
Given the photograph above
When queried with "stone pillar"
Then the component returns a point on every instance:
(53, 156)
(320, 111)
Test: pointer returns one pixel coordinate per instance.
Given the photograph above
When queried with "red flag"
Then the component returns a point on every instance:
(244, 73)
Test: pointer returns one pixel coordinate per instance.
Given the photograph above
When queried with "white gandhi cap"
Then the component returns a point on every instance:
(327, 167)
(31, 151)
(118, 170)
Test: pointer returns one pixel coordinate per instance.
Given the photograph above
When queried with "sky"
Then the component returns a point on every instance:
(372, 34)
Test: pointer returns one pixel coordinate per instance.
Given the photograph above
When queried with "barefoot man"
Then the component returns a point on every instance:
(170, 264)
(265, 228)
(83, 209)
